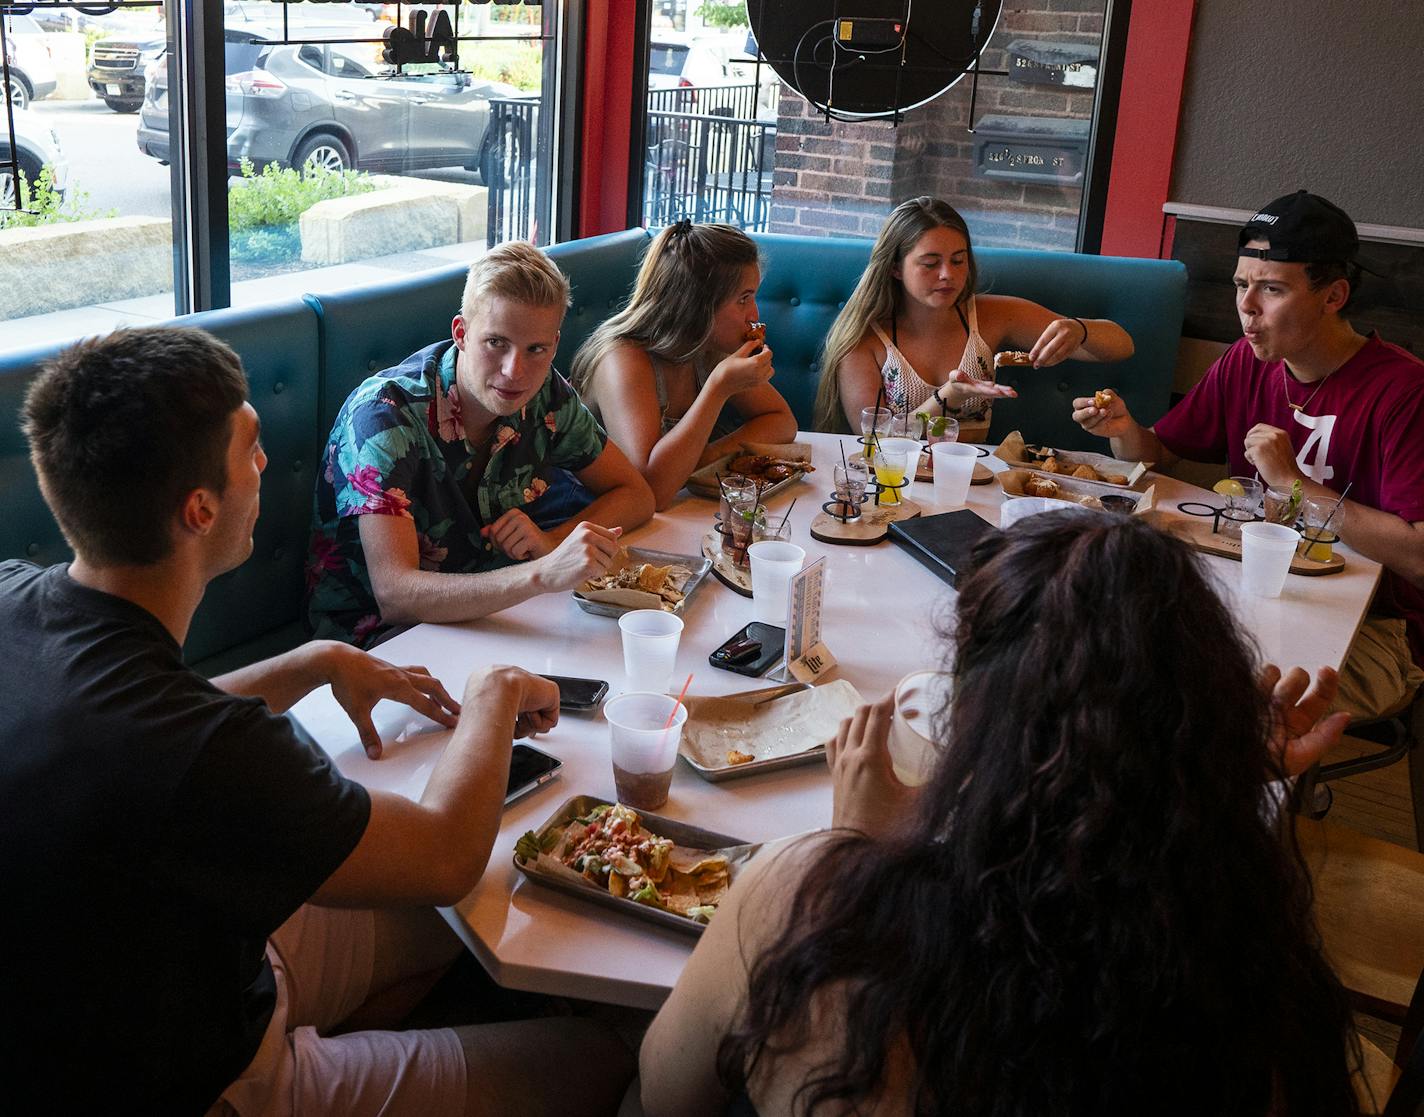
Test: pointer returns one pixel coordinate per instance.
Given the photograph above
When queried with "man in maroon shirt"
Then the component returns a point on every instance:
(1305, 397)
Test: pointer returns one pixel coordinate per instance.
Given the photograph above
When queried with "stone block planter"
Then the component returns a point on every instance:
(405, 215)
(83, 263)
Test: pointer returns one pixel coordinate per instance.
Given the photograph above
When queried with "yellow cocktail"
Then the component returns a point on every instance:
(1319, 545)
(890, 475)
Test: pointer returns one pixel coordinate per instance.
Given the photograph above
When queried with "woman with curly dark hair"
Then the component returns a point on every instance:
(1090, 908)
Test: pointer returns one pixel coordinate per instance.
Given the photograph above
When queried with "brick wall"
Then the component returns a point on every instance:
(841, 179)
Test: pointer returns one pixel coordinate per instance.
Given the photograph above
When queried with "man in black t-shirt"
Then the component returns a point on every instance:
(194, 900)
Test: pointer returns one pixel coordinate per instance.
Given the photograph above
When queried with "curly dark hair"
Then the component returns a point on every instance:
(1093, 910)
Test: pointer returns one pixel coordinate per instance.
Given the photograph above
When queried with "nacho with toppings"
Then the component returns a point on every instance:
(611, 850)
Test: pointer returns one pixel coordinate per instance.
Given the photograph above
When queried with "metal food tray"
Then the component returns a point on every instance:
(704, 481)
(698, 564)
(815, 754)
(693, 837)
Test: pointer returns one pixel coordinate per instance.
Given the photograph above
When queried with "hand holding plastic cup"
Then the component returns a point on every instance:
(1266, 553)
(644, 746)
(773, 565)
(919, 697)
(953, 470)
(650, 640)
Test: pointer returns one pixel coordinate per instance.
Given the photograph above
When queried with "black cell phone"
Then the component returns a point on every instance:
(579, 694)
(752, 650)
(528, 768)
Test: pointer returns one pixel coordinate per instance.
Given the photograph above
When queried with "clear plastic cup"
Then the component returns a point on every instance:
(1240, 509)
(1266, 553)
(953, 470)
(1012, 511)
(919, 697)
(773, 565)
(1320, 540)
(644, 746)
(894, 466)
(650, 640)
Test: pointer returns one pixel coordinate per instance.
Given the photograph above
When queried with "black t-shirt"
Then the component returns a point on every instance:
(154, 831)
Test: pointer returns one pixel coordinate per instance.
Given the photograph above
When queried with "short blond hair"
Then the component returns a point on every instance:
(517, 271)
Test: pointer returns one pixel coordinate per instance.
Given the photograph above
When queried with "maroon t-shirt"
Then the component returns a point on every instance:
(1365, 425)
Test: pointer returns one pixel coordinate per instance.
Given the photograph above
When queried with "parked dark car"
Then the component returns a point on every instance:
(336, 105)
(117, 65)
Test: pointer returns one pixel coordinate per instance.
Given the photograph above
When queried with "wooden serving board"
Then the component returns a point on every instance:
(734, 577)
(870, 528)
(1196, 530)
(982, 474)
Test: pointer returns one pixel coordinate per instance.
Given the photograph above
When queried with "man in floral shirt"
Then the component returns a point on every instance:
(434, 468)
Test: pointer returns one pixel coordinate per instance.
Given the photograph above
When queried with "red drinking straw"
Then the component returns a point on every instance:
(681, 695)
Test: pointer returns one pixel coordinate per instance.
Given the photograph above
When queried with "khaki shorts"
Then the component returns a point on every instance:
(323, 959)
(1379, 676)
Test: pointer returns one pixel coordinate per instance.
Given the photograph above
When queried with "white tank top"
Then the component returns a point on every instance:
(906, 390)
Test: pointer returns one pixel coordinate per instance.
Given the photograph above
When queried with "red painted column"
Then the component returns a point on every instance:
(1154, 72)
(607, 108)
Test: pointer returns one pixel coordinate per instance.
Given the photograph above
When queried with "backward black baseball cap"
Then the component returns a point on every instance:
(1302, 228)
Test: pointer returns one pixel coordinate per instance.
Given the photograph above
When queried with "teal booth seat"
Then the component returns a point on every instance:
(255, 607)
(303, 357)
(807, 281)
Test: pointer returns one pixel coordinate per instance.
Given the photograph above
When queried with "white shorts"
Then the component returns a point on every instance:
(323, 959)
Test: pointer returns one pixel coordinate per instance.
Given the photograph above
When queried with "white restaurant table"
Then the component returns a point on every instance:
(879, 620)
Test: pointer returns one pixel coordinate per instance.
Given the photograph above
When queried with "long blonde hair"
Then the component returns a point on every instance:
(878, 295)
(689, 271)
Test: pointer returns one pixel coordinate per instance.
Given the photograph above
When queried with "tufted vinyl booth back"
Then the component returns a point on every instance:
(807, 281)
(260, 599)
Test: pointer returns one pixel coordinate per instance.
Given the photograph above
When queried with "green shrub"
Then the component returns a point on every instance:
(263, 209)
(280, 195)
(722, 13)
(519, 64)
(44, 206)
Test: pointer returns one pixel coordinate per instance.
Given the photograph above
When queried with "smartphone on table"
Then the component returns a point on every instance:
(528, 769)
(579, 694)
(752, 650)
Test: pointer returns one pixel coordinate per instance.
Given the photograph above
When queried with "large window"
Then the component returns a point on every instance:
(345, 162)
(728, 141)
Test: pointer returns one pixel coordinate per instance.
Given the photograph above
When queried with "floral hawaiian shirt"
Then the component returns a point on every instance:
(398, 449)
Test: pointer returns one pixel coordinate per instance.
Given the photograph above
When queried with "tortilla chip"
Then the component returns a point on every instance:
(693, 861)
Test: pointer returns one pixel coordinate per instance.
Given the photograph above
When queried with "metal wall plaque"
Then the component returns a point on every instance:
(1039, 62)
(1031, 148)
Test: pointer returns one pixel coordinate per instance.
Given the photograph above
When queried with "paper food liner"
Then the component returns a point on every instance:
(1011, 450)
(718, 726)
(630, 598)
(1075, 489)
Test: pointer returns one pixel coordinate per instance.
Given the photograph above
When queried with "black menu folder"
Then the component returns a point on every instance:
(943, 542)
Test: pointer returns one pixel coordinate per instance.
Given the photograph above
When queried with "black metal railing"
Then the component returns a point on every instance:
(707, 158)
(708, 167)
(508, 168)
(738, 101)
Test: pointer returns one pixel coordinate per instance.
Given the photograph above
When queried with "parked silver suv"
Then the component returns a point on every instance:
(335, 105)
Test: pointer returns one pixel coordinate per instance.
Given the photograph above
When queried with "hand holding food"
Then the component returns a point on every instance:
(866, 794)
(756, 331)
(588, 551)
(1060, 340)
(1110, 421)
(1013, 358)
(749, 367)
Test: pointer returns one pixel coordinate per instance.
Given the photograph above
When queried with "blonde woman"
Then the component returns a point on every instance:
(673, 376)
(916, 330)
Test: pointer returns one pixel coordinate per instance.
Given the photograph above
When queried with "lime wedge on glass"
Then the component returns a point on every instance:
(1229, 486)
